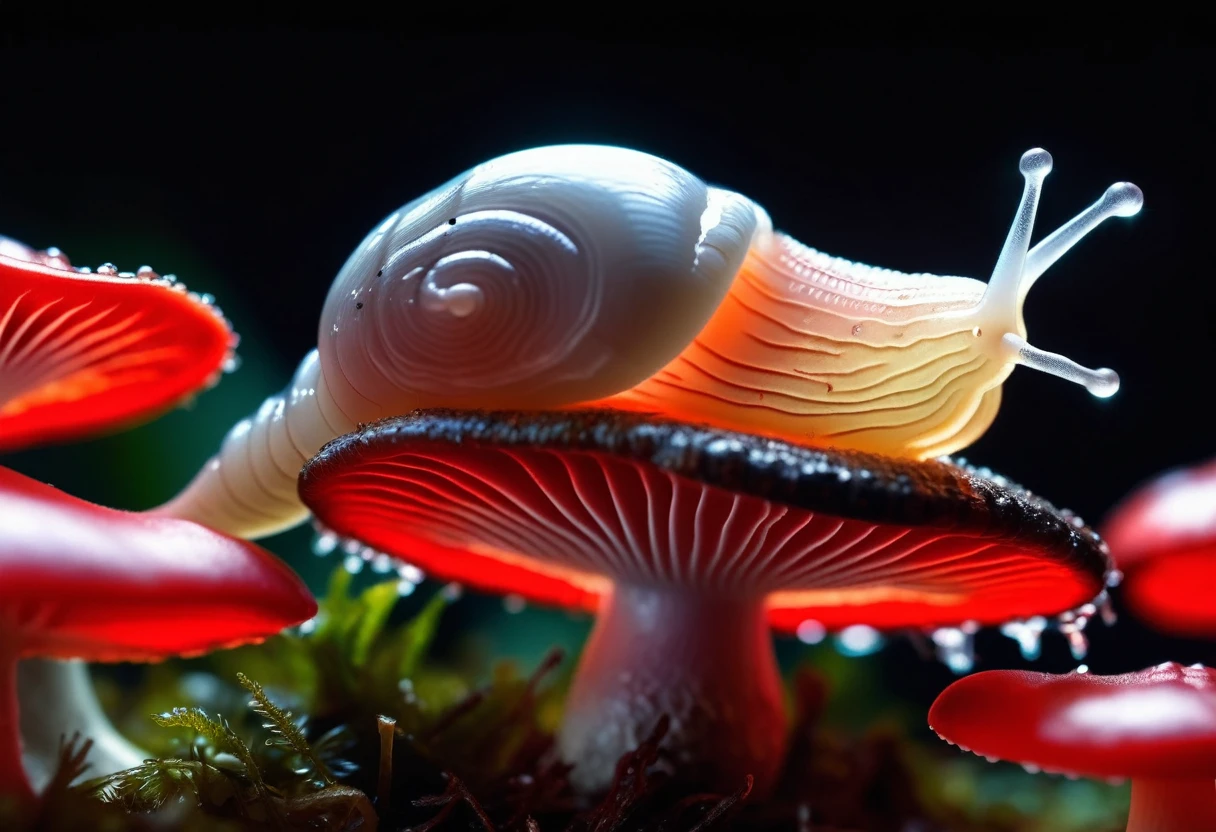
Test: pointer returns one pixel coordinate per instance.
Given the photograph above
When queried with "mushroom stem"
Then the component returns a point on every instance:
(13, 782)
(706, 662)
(58, 700)
(1172, 805)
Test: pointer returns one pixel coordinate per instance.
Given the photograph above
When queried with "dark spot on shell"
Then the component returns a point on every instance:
(359, 305)
(452, 221)
(380, 273)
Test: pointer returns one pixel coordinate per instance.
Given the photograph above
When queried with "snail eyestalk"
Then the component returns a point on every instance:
(1017, 269)
(1122, 199)
(1103, 382)
(1011, 264)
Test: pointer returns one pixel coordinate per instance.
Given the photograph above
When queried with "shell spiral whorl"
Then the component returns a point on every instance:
(496, 298)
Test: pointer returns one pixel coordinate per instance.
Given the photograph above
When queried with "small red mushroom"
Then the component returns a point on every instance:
(1163, 538)
(691, 543)
(1155, 726)
(82, 351)
(85, 582)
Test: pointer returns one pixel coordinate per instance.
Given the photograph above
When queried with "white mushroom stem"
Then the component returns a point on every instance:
(1172, 805)
(706, 662)
(58, 700)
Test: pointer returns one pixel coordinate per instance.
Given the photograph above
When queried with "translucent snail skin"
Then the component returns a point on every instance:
(583, 275)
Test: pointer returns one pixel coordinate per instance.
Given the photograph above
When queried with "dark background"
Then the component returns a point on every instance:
(252, 163)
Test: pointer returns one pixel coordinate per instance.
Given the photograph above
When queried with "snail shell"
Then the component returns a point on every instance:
(583, 275)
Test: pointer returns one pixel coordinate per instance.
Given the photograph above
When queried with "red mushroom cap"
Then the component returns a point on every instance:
(84, 352)
(1156, 723)
(1163, 537)
(86, 582)
(556, 506)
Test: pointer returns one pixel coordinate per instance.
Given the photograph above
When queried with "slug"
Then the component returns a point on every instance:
(581, 275)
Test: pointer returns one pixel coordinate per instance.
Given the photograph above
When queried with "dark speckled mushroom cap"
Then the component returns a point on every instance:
(555, 506)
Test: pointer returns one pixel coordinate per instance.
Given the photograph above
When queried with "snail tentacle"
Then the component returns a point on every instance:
(1103, 382)
(1017, 269)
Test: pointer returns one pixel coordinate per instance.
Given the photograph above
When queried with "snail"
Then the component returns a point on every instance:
(582, 275)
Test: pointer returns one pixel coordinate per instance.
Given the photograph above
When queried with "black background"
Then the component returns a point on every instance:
(273, 153)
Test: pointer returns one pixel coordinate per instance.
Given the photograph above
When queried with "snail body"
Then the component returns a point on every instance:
(582, 275)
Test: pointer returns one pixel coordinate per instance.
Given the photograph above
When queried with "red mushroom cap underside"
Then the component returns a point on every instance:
(556, 506)
(78, 580)
(1154, 723)
(82, 353)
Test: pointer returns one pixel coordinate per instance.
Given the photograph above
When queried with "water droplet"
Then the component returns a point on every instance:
(1078, 644)
(411, 573)
(232, 363)
(146, 273)
(1031, 768)
(514, 604)
(858, 640)
(55, 259)
(405, 588)
(811, 632)
(1028, 634)
(1082, 668)
(308, 626)
(382, 564)
(353, 564)
(107, 269)
(955, 648)
(325, 544)
(351, 547)
(856, 329)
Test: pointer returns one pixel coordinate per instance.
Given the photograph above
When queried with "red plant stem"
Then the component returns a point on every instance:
(13, 781)
(1172, 805)
(706, 662)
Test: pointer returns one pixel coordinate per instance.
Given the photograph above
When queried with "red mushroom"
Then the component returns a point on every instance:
(82, 352)
(1163, 538)
(1156, 727)
(86, 582)
(691, 542)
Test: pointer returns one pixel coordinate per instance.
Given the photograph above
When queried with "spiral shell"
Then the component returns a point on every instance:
(540, 279)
